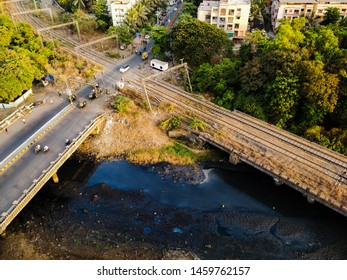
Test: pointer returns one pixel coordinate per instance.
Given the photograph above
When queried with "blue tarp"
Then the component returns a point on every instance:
(49, 78)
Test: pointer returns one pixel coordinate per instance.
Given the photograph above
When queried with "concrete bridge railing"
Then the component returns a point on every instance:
(7, 217)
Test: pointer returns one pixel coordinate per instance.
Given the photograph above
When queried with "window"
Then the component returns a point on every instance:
(237, 25)
(230, 19)
(222, 19)
(309, 10)
(223, 12)
(229, 26)
(231, 12)
(296, 11)
(285, 11)
(343, 10)
(208, 17)
(238, 17)
(239, 10)
(214, 10)
(320, 11)
(236, 33)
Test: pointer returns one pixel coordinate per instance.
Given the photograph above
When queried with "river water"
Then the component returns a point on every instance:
(242, 207)
(119, 210)
(216, 191)
(239, 188)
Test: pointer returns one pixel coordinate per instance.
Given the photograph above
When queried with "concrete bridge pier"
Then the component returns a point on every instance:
(96, 130)
(55, 178)
(234, 158)
(310, 199)
(278, 181)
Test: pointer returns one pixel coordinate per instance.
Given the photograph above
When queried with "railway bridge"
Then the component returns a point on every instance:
(317, 172)
(27, 174)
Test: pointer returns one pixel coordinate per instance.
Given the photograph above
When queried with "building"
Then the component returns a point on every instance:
(230, 15)
(291, 9)
(118, 9)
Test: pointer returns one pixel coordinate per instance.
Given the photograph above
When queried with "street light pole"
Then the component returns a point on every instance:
(102, 78)
(157, 14)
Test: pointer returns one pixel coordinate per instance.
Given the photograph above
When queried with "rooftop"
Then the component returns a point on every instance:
(313, 1)
(213, 3)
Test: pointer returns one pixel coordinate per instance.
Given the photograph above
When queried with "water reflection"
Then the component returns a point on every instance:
(212, 194)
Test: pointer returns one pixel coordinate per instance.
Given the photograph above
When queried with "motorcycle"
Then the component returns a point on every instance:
(37, 149)
(45, 149)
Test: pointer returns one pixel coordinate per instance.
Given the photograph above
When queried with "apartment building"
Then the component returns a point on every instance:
(230, 15)
(118, 9)
(291, 9)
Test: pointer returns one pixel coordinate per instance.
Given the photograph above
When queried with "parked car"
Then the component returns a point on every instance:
(124, 68)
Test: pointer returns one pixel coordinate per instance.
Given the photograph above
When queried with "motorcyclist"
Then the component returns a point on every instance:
(45, 148)
(37, 148)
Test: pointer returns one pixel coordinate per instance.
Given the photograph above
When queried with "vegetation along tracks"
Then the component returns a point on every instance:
(70, 43)
(276, 132)
(252, 133)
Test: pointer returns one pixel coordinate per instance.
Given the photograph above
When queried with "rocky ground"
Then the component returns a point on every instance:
(73, 221)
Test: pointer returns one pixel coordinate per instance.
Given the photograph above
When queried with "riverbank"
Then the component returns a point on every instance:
(72, 220)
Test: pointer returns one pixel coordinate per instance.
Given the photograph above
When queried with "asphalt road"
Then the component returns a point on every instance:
(18, 176)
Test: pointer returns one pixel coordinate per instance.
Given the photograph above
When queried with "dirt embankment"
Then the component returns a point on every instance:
(125, 133)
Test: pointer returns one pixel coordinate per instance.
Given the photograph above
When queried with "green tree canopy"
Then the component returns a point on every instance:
(198, 42)
(332, 15)
(22, 58)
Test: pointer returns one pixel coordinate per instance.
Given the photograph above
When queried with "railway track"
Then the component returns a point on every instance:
(241, 126)
(68, 42)
(284, 136)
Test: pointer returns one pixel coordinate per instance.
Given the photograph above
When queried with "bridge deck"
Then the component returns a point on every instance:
(312, 169)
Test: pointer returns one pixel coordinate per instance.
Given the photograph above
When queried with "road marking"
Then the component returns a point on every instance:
(3, 202)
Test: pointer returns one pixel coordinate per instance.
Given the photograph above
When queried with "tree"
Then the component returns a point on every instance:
(252, 77)
(283, 97)
(16, 74)
(190, 8)
(198, 42)
(123, 33)
(79, 4)
(161, 38)
(102, 15)
(331, 16)
(290, 35)
(86, 22)
(319, 90)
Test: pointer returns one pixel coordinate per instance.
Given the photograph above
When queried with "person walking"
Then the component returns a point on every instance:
(6, 130)
(23, 121)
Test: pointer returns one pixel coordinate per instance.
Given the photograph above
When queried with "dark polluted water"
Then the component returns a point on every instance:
(119, 210)
(213, 193)
(244, 211)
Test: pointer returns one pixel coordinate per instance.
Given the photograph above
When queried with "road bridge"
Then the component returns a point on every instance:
(317, 172)
(27, 174)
